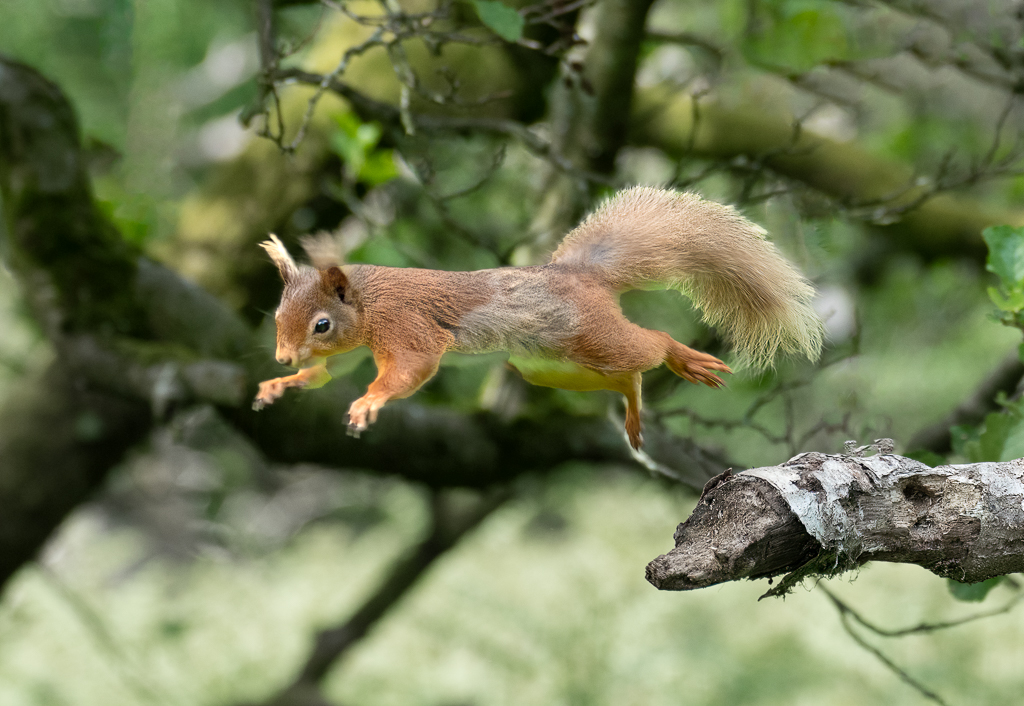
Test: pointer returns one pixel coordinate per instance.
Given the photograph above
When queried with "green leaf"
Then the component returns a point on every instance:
(356, 143)
(379, 168)
(1012, 301)
(368, 135)
(973, 592)
(962, 438)
(1006, 254)
(1001, 302)
(1013, 442)
(1000, 438)
(500, 18)
(992, 440)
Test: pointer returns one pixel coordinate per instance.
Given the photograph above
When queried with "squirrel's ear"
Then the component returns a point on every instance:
(323, 250)
(335, 279)
(285, 264)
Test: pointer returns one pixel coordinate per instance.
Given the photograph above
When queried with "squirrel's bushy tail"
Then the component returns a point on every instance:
(647, 238)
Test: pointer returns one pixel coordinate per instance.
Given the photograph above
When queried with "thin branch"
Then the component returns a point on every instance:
(923, 627)
(781, 389)
(370, 109)
(845, 615)
(325, 84)
(449, 523)
(95, 625)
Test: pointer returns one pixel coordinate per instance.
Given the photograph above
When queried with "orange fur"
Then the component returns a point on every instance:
(561, 321)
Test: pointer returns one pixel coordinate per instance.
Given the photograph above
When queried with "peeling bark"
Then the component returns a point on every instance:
(820, 514)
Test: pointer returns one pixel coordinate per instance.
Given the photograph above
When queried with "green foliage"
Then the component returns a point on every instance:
(380, 251)
(999, 438)
(135, 215)
(972, 592)
(356, 143)
(501, 19)
(1006, 261)
(1006, 254)
(928, 138)
(102, 52)
(798, 34)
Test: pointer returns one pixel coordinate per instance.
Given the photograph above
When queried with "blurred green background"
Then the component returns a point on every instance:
(201, 571)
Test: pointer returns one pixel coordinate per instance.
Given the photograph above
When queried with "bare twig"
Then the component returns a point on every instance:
(450, 521)
(923, 627)
(845, 614)
(324, 84)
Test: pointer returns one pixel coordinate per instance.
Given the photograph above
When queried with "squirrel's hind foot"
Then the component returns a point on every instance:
(695, 366)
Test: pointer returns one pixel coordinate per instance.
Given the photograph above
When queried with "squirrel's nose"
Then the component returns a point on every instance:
(284, 359)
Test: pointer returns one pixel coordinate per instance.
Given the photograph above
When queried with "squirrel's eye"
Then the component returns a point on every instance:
(322, 326)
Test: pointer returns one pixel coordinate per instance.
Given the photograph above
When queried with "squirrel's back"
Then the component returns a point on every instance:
(648, 238)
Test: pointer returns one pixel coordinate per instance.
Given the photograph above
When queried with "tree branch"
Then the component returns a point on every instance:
(449, 523)
(611, 65)
(820, 514)
(106, 313)
(943, 224)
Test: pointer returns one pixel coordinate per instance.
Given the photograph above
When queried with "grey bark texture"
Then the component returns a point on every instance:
(821, 514)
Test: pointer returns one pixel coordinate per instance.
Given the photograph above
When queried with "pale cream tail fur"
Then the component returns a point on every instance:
(648, 238)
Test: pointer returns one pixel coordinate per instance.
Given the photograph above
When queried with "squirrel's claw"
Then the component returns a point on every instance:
(362, 414)
(697, 367)
(269, 391)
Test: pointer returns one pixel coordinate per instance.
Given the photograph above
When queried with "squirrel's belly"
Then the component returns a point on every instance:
(563, 374)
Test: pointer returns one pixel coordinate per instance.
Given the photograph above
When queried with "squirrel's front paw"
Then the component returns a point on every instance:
(361, 415)
(269, 391)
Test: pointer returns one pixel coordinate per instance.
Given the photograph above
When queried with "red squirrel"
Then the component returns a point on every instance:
(560, 322)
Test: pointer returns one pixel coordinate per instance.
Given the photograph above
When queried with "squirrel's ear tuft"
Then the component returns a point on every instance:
(335, 279)
(285, 264)
(323, 250)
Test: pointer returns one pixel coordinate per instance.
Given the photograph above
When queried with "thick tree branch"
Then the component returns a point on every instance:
(611, 65)
(104, 310)
(938, 225)
(820, 514)
(442, 448)
(58, 439)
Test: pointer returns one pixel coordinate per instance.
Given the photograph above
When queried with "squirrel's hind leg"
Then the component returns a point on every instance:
(634, 403)
(566, 375)
(630, 386)
(613, 344)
